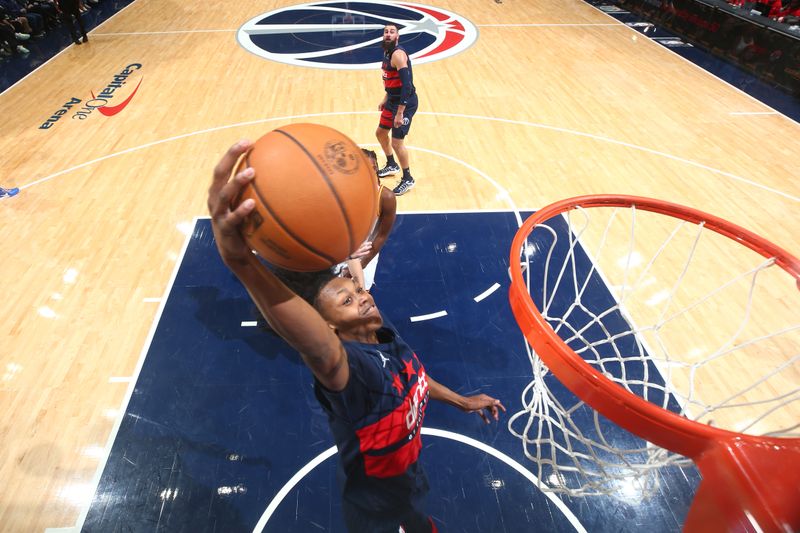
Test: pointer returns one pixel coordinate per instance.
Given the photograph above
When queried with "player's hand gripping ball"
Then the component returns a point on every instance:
(316, 197)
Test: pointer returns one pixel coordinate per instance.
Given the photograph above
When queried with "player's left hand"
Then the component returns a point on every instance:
(398, 119)
(483, 405)
(363, 250)
(225, 222)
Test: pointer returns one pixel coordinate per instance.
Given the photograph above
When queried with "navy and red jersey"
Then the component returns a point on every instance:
(391, 77)
(376, 422)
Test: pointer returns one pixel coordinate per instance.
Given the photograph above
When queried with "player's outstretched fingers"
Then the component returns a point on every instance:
(231, 190)
(222, 171)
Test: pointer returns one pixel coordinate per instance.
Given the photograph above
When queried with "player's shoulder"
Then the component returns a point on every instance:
(399, 53)
(387, 201)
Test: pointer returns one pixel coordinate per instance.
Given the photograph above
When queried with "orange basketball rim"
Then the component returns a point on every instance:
(749, 483)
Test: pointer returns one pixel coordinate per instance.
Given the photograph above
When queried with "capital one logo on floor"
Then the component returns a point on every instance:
(348, 35)
(109, 101)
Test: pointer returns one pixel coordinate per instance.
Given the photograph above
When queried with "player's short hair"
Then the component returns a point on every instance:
(307, 285)
(373, 158)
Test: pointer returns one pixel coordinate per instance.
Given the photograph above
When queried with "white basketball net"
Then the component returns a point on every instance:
(711, 330)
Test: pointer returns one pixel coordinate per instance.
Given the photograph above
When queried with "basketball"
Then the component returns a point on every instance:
(315, 193)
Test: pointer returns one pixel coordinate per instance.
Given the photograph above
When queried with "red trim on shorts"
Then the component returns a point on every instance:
(387, 119)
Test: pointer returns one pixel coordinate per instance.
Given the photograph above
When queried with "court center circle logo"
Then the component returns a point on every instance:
(348, 35)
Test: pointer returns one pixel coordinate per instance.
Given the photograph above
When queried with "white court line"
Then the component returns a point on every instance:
(487, 292)
(249, 323)
(430, 316)
(459, 115)
(311, 465)
(175, 32)
(156, 320)
(111, 17)
(629, 145)
(131, 385)
(609, 15)
(502, 194)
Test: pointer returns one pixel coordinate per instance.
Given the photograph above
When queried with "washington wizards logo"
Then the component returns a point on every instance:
(347, 35)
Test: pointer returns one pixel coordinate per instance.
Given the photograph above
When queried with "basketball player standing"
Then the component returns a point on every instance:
(397, 108)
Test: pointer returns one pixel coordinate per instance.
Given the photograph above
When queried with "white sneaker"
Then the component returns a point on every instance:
(403, 187)
(22, 50)
(22, 36)
(388, 170)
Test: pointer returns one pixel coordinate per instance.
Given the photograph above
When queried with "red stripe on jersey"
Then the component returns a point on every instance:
(392, 428)
(391, 79)
(395, 429)
(394, 463)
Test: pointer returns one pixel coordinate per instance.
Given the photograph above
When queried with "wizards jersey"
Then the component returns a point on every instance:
(391, 77)
(376, 422)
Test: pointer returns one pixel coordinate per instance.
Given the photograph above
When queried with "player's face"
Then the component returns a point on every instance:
(390, 36)
(348, 308)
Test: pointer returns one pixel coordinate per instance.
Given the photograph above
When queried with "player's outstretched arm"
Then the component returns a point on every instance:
(288, 314)
(384, 226)
(355, 262)
(482, 404)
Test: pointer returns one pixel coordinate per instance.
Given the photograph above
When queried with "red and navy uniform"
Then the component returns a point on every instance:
(376, 423)
(391, 77)
(398, 94)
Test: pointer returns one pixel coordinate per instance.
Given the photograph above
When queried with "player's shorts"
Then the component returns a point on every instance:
(387, 117)
(409, 521)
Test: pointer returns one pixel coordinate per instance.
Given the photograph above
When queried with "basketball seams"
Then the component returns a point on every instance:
(327, 180)
(281, 223)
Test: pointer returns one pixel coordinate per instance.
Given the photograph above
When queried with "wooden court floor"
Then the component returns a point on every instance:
(554, 99)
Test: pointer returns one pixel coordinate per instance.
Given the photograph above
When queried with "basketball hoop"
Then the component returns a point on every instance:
(634, 363)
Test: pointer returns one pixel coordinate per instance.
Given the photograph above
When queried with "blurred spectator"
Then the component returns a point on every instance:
(70, 15)
(45, 8)
(9, 37)
(34, 22)
(789, 14)
(19, 22)
(745, 48)
(772, 8)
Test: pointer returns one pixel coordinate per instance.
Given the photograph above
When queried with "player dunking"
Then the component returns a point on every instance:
(370, 383)
(397, 108)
